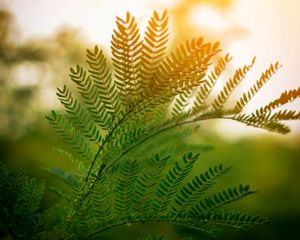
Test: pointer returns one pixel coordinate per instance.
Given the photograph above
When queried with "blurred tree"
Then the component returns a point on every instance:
(28, 70)
(14, 99)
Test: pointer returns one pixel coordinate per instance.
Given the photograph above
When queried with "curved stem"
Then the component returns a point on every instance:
(104, 142)
(104, 167)
(179, 221)
(156, 133)
(143, 140)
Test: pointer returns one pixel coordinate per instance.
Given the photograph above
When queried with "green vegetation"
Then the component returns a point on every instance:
(125, 126)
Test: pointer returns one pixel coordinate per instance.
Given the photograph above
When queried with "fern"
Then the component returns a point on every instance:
(78, 116)
(92, 98)
(102, 78)
(265, 77)
(73, 136)
(147, 196)
(130, 105)
(211, 79)
(118, 110)
(19, 200)
(153, 49)
(231, 85)
(126, 51)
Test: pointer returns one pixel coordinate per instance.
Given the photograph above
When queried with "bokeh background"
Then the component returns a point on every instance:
(41, 39)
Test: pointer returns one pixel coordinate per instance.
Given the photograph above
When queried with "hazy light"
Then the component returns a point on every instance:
(273, 24)
(209, 17)
(26, 75)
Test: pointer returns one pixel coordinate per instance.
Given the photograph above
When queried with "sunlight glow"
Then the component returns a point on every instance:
(208, 17)
(273, 26)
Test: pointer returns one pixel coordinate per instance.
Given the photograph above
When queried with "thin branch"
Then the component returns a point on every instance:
(143, 140)
(103, 144)
(183, 221)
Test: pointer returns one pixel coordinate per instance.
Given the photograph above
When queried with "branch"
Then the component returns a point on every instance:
(103, 144)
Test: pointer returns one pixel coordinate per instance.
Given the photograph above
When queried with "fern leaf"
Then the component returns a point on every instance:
(180, 72)
(102, 80)
(240, 104)
(79, 116)
(91, 97)
(264, 123)
(69, 158)
(192, 191)
(125, 188)
(147, 182)
(153, 49)
(231, 84)
(170, 184)
(126, 56)
(220, 199)
(66, 177)
(180, 104)
(102, 198)
(64, 128)
(210, 81)
(285, 97)
(19, 203)
(285, 115)
(226, 219)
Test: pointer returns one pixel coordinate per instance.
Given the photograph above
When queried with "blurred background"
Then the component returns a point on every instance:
(40, 40)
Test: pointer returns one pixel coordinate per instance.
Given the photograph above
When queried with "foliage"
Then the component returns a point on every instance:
(20, 199)
(115, 111)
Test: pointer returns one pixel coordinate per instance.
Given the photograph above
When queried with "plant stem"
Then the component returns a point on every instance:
(104, 142)
(157, 132)
(104, 167)
(183, 221)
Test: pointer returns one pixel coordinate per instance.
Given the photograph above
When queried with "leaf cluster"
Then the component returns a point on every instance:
(145, 91)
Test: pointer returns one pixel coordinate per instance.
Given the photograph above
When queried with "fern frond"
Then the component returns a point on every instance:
(153, 49)
(178, 73)
(147, 182)
(220, 219)
(125, 188)
(126, 55)
(282, 115)
(285, 115)
(66, 177)
(79, 215)
(285, 97)
(264, 123)
(180, 104)
(78, 115)
(64, 128)
(129, 105)
(170, 184)
(265, 77)
(102, 198)
(220, 199)
(205, 89)
(69, 158)
(19, 203)
(92, 98)
(231, 84)
(192, 191)
(102, 79)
